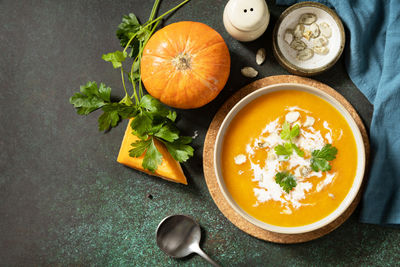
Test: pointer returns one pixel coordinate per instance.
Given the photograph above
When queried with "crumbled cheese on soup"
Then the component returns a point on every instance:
(240, 159)
(292, 116)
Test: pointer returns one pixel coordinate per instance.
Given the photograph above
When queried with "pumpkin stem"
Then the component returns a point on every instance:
(182, 61)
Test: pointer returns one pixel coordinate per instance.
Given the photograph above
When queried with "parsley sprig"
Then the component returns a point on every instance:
(288, 134)
(152, 120)
(320, 158)
(286, 180)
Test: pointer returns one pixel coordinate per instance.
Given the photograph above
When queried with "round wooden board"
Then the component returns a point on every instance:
(208, 163)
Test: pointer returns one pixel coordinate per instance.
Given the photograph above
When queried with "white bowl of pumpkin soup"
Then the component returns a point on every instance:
(289, 158)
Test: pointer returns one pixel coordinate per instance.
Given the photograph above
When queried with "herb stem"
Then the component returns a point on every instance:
(140, 74)
(154, 10)
(129, 42)
(166, 13)
(123, 81)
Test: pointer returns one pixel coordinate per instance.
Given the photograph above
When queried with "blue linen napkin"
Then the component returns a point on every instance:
(372, 59)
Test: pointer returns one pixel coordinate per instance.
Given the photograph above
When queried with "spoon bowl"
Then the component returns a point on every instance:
(179, 236)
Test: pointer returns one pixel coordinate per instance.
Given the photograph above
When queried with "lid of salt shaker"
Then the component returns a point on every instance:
(247, 15)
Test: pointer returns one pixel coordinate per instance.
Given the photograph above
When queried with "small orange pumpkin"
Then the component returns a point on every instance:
(185, 64)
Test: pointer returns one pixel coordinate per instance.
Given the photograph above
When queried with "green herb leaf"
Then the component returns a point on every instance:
(286, 180)
(142, 124)
(287, 149)
(298, 150)
(152, 158)
(139, 147)
(168, 132)
(152, 119)
(129, 27)
(284, 150)
(90, 98)
(154, 106)
(108, 120)
(179, 149)
(116, 58)
(126, 100)
(113, 113)
(172, 115)
(287, 133)
(320, 158)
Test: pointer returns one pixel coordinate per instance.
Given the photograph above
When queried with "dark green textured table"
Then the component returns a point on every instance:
(63, 198)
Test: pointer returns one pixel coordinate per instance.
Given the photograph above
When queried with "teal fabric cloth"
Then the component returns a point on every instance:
(372, 58)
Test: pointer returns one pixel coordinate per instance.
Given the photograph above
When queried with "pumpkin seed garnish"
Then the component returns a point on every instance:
(298, 31)
(325, 29)
(321, 50)
(305, 54)
(298, 45)
(307, 18)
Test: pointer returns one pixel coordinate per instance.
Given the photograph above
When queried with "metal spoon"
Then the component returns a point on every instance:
(179, 235)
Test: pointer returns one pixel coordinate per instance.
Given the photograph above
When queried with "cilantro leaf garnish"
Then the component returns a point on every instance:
(320, 158)
(288, 133)
(286, 180)
(152, 120)
(298, 150)
(287, 149)
(284, 150)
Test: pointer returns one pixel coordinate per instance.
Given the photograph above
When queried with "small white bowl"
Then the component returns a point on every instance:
(286, 55)
(360, 160)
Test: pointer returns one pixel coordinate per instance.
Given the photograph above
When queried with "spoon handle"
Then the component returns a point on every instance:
(199, 251)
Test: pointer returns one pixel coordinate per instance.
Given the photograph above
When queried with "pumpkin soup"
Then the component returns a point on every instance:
(289, 158)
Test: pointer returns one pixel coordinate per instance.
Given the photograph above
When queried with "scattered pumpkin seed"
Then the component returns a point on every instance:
(325, 29)
(249, 72)
(260, 56)
(298, 31)
(288, 37)
(307, 18)
(320, 41)
(314, 30)
(298, 45)
(305, 54)
(304, 170)
(321, 50)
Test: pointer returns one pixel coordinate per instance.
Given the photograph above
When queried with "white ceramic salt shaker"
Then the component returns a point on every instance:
(246, 20)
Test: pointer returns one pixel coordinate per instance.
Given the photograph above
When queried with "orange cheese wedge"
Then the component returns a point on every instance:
(169, 169)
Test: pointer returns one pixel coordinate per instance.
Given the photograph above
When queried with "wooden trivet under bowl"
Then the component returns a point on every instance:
(211, 179)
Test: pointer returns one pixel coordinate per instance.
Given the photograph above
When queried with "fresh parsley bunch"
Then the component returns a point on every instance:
(151, 119)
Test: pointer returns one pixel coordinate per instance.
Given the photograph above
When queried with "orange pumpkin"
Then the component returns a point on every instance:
(185, 64)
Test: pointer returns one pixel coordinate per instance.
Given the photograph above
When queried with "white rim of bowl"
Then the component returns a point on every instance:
(361, 160)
